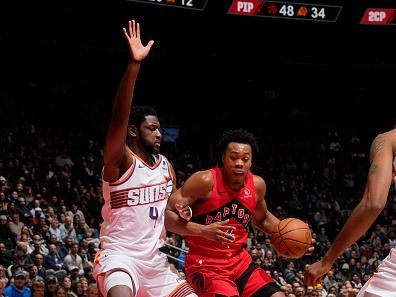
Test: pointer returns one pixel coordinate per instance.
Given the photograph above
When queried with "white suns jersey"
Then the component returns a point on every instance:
(134, 209)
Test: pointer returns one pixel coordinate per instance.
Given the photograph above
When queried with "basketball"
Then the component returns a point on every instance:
(292, 238)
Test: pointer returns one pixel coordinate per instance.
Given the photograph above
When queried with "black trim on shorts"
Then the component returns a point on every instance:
(242, 281)
(267, 290)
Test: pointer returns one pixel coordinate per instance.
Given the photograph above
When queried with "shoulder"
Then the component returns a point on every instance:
(259, 185)
(203, 178)
(259, 182)
(383, 142)
(198, 185)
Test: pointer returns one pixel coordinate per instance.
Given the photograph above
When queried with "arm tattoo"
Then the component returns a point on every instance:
(373, 169)
(377, 145)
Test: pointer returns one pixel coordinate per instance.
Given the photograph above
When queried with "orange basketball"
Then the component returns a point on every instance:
(292, 239)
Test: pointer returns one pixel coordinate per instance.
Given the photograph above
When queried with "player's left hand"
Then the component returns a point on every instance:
(185, 212)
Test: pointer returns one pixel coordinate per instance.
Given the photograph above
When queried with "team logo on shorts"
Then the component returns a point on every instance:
(197, 281)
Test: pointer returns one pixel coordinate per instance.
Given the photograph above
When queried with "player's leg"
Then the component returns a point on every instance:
(383, 282)
(375, 287)
(159, 279)
(115, 274)
(117, 284)
(255, 282)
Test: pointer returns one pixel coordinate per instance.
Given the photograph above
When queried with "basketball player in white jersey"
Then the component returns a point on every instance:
(137, 182)
(383, 283)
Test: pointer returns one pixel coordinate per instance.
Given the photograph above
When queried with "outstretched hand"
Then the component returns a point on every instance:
(315, 272)
(137, 50)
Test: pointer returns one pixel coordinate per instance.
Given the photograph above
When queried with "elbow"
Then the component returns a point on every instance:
(375, 205)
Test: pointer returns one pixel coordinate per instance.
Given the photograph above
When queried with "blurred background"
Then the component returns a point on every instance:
(313, 79)
(71, 55)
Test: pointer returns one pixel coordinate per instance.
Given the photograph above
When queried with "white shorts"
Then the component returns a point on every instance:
(150, 278)
(383, 282)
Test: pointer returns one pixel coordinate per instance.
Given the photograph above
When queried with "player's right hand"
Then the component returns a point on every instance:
(219, 231)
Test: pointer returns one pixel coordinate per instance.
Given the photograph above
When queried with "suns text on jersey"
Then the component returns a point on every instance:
(141, 195)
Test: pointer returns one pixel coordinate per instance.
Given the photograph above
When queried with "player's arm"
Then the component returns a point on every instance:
(173, 175)
(198, 186)
(366, 212)
(263, 218)
(117, 131)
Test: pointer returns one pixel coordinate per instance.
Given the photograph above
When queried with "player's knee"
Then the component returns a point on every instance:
(120, 291)
(118, 284)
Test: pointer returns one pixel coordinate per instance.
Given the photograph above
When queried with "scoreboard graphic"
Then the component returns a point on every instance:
(324, 11)
(187, 4)
(379, 16)
(286, 10)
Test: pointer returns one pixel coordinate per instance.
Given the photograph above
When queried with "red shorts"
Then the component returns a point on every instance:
(237, 276)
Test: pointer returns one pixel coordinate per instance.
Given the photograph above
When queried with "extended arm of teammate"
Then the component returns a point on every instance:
(365, 213)
(117, 131)
(198, 186)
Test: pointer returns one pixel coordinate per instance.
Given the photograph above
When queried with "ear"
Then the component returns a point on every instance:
(222, 158)
(132, 130)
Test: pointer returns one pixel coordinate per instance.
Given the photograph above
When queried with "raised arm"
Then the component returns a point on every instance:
(366, 212)
(198, 186)
(263, 218)
(117, 131)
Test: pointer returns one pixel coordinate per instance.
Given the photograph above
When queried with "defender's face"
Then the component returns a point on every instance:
(150, 135)
(237, 161)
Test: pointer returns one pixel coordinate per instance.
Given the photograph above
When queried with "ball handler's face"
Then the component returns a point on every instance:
(237, 161)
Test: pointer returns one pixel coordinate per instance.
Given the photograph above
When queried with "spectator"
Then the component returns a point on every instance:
(2, 286)
(67, 229)
(5, 256)
(16, 225)
(38, 288)
(18, 288)
(51, 283)
(38, 260)
(52, 260)
(33, 274)
(73, 259)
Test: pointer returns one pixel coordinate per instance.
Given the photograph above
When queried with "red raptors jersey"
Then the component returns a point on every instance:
(223, 204)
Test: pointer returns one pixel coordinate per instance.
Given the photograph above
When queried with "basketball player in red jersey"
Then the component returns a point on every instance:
(223, 201)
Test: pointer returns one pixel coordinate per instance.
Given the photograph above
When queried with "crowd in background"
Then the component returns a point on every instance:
(50, 202)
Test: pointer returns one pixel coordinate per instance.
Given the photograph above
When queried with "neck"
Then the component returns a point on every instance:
(142, 154)
(233, 184)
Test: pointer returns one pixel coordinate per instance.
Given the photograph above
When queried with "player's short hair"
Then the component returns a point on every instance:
(239, 136)
(139, 113)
